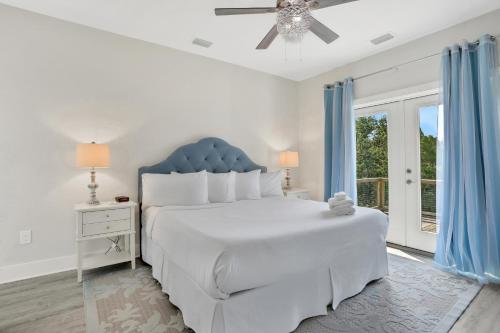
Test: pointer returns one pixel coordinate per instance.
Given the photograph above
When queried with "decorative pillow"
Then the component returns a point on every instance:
(270, 184)
(221, 187)
(248, 185)
(174, 189)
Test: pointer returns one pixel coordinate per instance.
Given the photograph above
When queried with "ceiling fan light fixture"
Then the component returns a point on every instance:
(202, 42)
(294, 20)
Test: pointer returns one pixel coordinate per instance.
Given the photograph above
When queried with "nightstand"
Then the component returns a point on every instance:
(297, 193)
(107, 220)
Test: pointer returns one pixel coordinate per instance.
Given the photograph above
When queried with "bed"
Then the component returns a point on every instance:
(256, 265)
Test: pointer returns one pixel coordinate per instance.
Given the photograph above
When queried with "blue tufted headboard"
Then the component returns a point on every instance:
(211, 154)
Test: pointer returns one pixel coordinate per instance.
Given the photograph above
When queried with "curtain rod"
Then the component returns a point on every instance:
(327, 86)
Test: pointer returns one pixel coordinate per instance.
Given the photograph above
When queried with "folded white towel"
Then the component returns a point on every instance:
(343, 211)
(340, 195)
(343, 203)
(335, 201)
(342, 198)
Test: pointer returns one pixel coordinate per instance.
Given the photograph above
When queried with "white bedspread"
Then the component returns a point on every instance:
(226, 248)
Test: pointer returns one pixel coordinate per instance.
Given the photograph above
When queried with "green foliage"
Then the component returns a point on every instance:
(428, 144)
(371, 147)
(372, 162)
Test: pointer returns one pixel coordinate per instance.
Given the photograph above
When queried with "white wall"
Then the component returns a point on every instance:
(61, 83)
(311, 119)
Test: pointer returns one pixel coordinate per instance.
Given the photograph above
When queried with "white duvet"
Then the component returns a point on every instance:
(227, 248)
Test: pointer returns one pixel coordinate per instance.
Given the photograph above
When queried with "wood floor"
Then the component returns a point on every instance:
(54, 303)
(483, 314)
(47, 304)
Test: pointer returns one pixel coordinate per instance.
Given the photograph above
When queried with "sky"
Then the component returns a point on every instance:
(429, 120)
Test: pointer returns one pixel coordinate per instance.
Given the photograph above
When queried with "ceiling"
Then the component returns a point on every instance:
(175, 23)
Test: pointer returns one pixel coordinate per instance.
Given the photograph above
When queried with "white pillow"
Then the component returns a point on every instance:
(270, 184)
(248, 185)
(221, 187)
(174, 189)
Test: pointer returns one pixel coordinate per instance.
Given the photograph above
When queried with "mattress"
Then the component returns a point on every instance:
(229, 248)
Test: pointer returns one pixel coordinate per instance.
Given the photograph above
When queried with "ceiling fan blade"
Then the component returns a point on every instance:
(241, 11)
(322, 31)
(330, 3)
(271, 35)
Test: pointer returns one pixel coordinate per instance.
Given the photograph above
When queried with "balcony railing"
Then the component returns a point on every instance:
(374, 193)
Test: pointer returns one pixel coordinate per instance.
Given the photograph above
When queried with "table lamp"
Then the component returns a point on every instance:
(92, 155)
(288, 160)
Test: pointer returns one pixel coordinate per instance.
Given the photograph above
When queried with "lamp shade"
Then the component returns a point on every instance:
(92, 155)
(289, 159)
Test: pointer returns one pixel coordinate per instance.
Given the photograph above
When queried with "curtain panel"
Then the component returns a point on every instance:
(469, 199)
(340, 140)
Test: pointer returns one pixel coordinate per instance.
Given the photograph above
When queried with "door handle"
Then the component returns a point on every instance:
(409, 181)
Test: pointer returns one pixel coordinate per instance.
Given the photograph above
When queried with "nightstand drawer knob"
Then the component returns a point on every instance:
(107, 227)
(107, 215)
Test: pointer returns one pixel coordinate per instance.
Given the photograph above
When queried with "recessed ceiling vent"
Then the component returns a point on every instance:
(202, 42)
(382, 39)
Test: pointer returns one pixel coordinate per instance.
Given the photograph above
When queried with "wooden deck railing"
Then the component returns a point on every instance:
(380, 192)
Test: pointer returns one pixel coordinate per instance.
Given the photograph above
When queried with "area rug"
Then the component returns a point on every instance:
(415, 297)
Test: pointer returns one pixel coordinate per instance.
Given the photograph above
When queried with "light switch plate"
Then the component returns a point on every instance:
(25, 237)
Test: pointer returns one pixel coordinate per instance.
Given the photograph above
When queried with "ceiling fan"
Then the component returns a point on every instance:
(293, 19)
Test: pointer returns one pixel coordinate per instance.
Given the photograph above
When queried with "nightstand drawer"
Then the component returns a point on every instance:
(298, 195)
(106, 215)
(90, 229)
(303, 195)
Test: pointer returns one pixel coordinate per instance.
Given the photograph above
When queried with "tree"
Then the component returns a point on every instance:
(371, 147)
(428, 144)
(372, 160)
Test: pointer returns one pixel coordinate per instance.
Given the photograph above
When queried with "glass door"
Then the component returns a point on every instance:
(396, 167)
(421, 127)
(379, 161)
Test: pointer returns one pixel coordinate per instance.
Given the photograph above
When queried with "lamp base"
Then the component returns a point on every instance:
(287, 180)
(93, 186)
(93, 202)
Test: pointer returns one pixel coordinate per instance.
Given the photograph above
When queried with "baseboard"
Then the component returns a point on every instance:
(37, 268)
(32, 269)
(412, 250)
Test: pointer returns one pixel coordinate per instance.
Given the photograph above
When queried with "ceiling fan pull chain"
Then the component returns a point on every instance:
(286, 55)
(300, 48)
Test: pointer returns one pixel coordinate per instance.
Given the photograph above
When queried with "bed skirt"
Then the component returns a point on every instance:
(275, 308)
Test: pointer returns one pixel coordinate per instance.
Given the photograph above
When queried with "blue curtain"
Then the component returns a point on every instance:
(340, 140)
(469, 207)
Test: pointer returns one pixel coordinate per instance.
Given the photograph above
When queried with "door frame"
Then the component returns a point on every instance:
(397, 95)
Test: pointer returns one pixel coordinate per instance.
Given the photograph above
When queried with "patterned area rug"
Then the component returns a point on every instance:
(129, 301)
(415, 297)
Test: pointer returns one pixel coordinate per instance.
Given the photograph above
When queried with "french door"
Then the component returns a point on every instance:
(396, 167)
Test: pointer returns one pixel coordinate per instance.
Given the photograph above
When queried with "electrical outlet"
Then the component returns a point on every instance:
(24, 236)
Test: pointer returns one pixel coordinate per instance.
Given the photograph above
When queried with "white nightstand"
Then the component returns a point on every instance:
(106, 220)
(297, 193)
